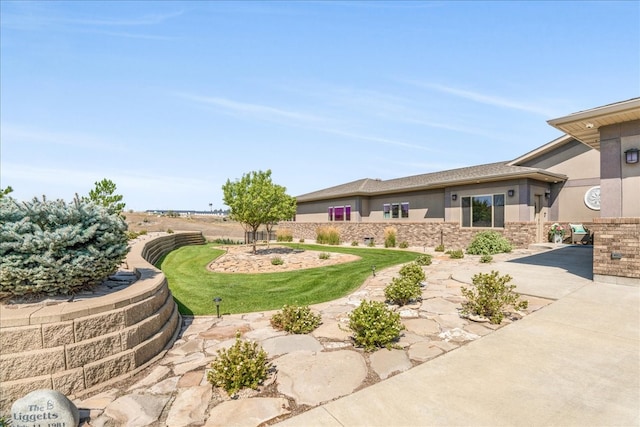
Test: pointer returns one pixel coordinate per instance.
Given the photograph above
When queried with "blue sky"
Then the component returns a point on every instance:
(170, 99)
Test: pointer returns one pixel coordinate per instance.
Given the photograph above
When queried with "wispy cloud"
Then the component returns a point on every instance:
(12, 134)
(257, 111)
(492, 100)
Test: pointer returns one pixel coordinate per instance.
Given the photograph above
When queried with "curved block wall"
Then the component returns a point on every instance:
(73, 347)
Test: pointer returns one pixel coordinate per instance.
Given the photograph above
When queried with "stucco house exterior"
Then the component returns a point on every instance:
(558, 182)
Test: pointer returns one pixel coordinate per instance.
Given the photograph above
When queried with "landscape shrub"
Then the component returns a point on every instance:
(439, 248)
(485, 259)
(284, 235)
(489, 243)
(374, 325)
(413, 272)
(324, 255)
(371, 243)
(276, 260)
(390, 237)
(53, 248)
(354, 243)
(328, 235)
(227, 241)
(243, 365)
(491, 297)
(402, 290)
(169, 231)
(296, 319)
(424, 259)
(403, 245)
(301, 241)
(455, 254)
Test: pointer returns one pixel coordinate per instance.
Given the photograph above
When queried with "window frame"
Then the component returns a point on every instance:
(497, 211)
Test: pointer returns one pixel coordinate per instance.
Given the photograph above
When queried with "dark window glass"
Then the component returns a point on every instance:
(386, 211)
(339, 213)
(481, 211)
(347, 213)
(405, 210)
(330, 214)
(498, 210)
(395, 210)
(466, 211)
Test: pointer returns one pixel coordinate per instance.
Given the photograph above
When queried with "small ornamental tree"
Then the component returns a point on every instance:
(51, 247)
(255, 200)
(103, 195)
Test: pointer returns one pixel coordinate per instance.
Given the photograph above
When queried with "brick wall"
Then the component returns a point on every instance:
(613, 237)
(425, 234)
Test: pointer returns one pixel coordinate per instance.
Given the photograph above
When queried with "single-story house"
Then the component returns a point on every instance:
(559, 182)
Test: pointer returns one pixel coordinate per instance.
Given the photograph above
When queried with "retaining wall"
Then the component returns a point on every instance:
(74, 347)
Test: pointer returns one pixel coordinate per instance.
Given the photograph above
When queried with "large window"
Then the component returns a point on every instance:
(395, 210)
(340, 213)
(483, 211)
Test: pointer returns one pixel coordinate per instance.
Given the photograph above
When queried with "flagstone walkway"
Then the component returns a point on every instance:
(308, 369)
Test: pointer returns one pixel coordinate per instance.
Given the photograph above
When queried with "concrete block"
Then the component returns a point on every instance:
(69, 382)
(97, 325)
(57, 334)
(149, 349)
(106, 369)
(17, 339)
(79, 354)
(31, 363)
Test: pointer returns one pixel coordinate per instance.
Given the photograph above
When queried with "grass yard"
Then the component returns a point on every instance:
(194, 287)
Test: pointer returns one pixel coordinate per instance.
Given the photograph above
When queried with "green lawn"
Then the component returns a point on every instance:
(194, 287)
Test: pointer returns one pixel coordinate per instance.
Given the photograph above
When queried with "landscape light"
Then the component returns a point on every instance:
(217, 301)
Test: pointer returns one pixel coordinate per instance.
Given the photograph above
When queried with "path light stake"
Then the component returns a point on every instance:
(373, 270)
(217, 301)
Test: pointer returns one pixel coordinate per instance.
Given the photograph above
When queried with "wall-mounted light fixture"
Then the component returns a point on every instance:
(631, 156)
(510, 193)
(454, 197)
(547, 194)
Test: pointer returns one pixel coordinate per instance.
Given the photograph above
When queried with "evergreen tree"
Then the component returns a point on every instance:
(51, 247)
(103, 195)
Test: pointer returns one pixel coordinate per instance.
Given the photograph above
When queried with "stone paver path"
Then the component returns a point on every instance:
(309, 369)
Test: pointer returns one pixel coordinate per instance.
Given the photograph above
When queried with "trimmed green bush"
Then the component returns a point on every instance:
(403, 245)
(354, 243)
(489, 243)
(243, 365)
(439, 248)
(486, 259)
(296, 319)
(276, 260)
(412, 272)
(423, 259)
(402, 290)
(53, 248)
(491, 297)
(324, 255)
(374, 325)
(456, 254)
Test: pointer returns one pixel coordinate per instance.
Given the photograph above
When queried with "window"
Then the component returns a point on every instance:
(483, 211)
(340, 213)
(404, 208)
(395, 210)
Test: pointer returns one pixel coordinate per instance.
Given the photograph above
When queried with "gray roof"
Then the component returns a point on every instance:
(469, 175)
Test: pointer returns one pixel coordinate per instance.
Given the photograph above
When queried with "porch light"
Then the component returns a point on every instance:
(631, 156)
(454, 197)
(511, 193)
(217, 301)
(547, 194)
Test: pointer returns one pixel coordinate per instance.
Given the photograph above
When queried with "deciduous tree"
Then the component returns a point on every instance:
(255, 200)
